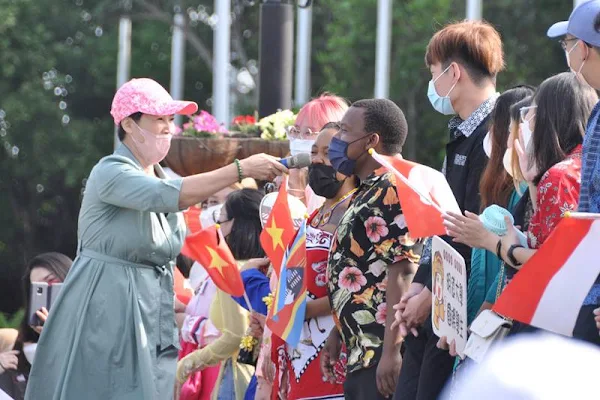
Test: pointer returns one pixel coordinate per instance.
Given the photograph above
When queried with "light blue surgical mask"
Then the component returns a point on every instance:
(440, 104)
(298, 146)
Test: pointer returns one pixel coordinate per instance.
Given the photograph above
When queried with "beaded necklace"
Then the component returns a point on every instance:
(322, 218)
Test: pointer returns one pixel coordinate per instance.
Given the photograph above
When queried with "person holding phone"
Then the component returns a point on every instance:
(15, 364)
(113, 333)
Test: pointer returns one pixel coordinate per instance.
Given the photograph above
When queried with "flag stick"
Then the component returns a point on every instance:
(404, 179)
(581, 215)
(248, 302)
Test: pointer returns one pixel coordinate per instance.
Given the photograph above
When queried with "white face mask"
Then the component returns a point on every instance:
(507, 162)
(29, 351)
(298, 146)
(526, 132)
(154, 148)
(568, 53)
(487, 145)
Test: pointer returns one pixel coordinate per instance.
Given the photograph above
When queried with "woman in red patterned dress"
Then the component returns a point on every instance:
(299, 373)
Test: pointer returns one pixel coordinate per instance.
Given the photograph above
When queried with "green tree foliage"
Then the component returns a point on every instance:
(58, 73)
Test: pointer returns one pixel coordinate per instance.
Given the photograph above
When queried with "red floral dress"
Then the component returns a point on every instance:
(300, 367)
(557, 192)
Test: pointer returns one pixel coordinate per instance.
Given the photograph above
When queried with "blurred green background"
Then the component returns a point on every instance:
(58, 75)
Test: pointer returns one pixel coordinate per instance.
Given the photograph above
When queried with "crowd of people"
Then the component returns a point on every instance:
(117, 330)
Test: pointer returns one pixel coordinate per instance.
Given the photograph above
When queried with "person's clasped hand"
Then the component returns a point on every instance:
(256, 263)
(186, 366)
(9, 360)
(399, 320)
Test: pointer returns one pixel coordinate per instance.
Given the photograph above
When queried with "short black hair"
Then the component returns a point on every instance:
(243, 206)
(136, 116)
(384, 117)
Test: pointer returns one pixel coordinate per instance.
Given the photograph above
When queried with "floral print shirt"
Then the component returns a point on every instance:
(371, 235)
(557, 193)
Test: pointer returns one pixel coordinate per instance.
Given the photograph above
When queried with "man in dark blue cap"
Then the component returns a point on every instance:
(580, 38)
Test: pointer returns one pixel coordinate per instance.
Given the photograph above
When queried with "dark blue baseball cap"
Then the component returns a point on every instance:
(580, 24)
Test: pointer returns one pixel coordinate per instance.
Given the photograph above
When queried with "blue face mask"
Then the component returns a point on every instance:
(440, 104)
(338, 156)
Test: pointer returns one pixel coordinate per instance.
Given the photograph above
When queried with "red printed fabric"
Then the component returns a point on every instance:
(298, 369)
(557, 193)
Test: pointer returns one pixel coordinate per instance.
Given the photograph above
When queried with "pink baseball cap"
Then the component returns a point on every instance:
(148, 97)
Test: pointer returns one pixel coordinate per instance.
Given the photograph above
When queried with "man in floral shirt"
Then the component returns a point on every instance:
(372, 258)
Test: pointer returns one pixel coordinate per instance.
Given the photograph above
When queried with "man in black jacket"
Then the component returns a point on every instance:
(464, 59)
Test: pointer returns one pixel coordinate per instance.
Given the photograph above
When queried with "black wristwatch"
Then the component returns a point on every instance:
(511, 255)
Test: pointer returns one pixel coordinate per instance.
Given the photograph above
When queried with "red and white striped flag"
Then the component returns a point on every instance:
(424, 195)
(550, 288)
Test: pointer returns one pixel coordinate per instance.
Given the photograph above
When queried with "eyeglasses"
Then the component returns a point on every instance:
(564, 43)
(524, 111)
(294, 132)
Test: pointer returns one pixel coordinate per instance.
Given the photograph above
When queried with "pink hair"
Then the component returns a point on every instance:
(321, 110)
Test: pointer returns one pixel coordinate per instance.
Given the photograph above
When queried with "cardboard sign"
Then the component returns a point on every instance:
(449, 300)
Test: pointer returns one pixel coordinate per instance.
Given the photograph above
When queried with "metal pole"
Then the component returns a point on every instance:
(221, 49)
(124, 56)
(474, 8)
(276, 56)
(303, 49)
(178, 58)
(382, 53)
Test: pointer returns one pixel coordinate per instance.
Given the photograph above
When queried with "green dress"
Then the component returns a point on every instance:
(111, 333)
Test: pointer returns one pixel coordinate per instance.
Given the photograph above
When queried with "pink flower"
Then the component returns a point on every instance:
(352, 278)
(187, 126)
(376, 228)
(382, 286)
(178, 130)
(381, 313)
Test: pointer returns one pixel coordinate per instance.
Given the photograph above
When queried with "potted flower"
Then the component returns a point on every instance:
(200, 146)
(273, 136)
(244, 126)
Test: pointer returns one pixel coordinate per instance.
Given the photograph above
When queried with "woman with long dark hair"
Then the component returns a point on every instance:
(241, 227)
(50, 268)
(551, 165)
(496, 187)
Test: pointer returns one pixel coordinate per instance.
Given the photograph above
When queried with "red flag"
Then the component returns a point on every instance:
(424, 195)
(289, 302)
(279, 230)
(550, 288)
(208, 247)
(192, 219)
(182, 290)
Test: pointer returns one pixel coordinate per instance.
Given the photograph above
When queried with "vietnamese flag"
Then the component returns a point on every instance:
(182, 289)
(192, 218)
(424, 195)
(279, 230)
(208, 247)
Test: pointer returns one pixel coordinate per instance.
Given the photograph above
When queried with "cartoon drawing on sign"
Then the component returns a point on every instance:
(438, 289)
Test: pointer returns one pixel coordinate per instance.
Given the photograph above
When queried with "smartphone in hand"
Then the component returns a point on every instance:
(42, 295)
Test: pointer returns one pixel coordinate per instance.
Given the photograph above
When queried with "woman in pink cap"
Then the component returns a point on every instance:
(112, 332)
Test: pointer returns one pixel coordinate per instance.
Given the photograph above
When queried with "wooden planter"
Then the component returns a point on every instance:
(191, 155)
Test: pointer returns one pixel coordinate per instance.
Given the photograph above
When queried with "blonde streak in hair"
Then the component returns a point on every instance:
(516, 167)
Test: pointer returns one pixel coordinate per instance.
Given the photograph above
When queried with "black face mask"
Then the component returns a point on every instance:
(322, 180)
